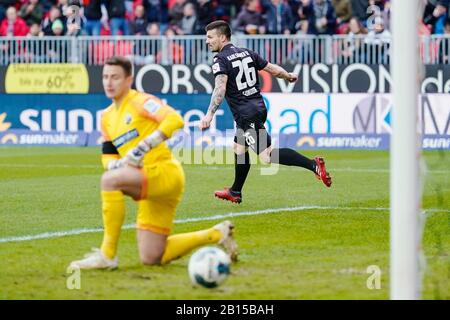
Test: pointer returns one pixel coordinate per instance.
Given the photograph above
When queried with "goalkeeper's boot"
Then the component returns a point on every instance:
(321, 171)
(95, 260)
(227, 241)
(229, 195)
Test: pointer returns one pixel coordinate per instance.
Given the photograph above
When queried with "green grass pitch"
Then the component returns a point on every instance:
(303, 253)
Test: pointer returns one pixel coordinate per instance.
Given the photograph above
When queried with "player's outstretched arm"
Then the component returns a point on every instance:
(279, 72)
(217, 96)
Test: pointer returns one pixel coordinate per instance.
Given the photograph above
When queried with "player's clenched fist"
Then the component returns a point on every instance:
(206, 121)
(292, 77)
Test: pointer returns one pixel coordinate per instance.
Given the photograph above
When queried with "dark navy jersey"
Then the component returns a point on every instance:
(243, 93)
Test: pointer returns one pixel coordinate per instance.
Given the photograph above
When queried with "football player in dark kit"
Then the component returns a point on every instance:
(236, 79)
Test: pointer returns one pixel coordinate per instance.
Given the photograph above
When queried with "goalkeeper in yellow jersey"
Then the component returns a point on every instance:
(140, 165)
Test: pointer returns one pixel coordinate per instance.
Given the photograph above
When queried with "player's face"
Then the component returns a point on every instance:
(213, 40)
(115, 82)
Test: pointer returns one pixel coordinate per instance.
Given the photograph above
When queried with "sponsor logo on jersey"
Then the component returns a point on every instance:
(128, 118)
(152, 106)
(126, 137)
(215, 67)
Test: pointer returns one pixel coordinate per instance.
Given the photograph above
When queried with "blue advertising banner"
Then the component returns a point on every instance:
(201, 140)
(344, 121)
(79, 112)
(41, 138)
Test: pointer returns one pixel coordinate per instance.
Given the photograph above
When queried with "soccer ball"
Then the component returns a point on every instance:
(209, 267)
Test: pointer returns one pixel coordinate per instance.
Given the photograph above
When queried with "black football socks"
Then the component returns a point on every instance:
(241, 169)
(290, 157)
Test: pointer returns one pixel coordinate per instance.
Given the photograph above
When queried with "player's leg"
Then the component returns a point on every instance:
(286, 156)
(158, 248)
(151, 246)
(241, 169)
(114, 185)
(156, 214)
(290, 157)
(180, 244)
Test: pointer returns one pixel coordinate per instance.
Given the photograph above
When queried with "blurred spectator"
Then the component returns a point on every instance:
(93, 15)
(176, 12)
(5, 4)
(435, 13)
(13, 25)
(301, 26)
(302, 50)
(129, 12)
(34, 31)
(53, 15)
(359, 9)
(173, 51)
(31, 52)
(157, 11)
(225, 9)
(321, 17)
(188, 24)
(32, 12)
(116, 14)
(378, 3)
(74, 23)
(153, 29)
(57, 28)
(386, 14)
(353, 45)
(279, 19)
(62, 5)
(249, 20)
(204, 14)
(379, 33)
(378, 42)
(145, 52)
(139, 24)
(444, 45)
(47, 4)
(343, 9)
(356, 27)
(56, 51)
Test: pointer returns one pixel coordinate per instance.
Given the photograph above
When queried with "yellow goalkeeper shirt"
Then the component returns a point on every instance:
(138, 115)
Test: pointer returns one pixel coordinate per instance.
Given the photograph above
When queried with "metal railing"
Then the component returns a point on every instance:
(192, 50)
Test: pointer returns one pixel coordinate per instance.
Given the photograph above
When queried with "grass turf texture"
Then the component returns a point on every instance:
(303, 254)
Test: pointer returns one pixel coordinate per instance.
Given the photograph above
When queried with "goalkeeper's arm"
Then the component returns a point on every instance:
(171, 122)
(110, 156)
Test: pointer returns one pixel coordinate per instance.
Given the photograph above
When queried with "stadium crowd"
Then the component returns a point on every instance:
(183, 17)
(363, 24)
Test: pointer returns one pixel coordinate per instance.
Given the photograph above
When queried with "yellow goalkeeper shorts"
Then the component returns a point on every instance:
(161, 192)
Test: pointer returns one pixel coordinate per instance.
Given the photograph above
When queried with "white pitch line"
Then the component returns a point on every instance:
(58, 234)
(206, 167)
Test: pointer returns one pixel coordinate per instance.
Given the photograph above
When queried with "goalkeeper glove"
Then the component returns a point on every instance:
(115, 164)
(134, 156)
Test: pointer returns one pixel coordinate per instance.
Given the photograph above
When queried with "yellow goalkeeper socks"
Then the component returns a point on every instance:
(180, 244)
(113, 208)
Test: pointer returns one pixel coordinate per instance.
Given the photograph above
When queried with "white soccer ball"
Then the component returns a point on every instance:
(209, 267)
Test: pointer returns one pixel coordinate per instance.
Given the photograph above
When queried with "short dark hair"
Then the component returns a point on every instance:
(122, 62)
(222, 27)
